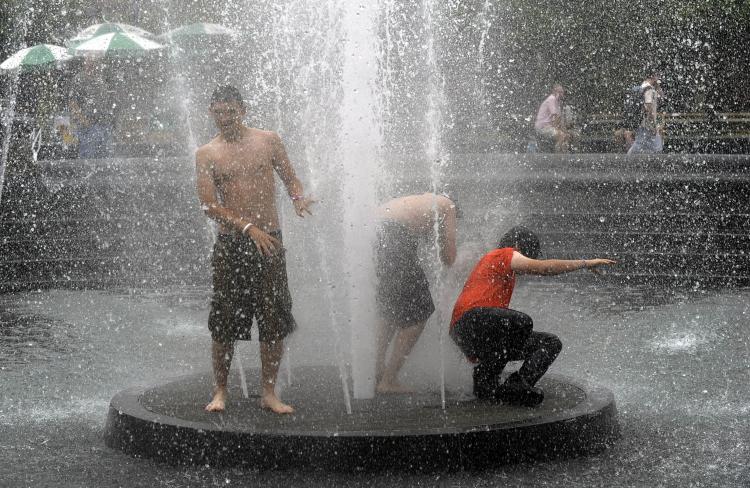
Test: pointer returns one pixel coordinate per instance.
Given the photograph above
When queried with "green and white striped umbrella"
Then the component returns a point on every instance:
(193, 31)
(36, 56)
(117, 44)
(107, 28)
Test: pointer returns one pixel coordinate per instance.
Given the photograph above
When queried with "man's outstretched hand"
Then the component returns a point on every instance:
(594, 264)
(302, 206)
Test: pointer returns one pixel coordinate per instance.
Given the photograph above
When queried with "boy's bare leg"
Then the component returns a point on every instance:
(221, 358)
(405, 340)
(562, 142)
(384, 335)
(559, 141)
(270, 359)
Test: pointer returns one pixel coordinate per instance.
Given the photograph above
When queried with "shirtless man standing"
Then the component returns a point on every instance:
(236, 188)
(403, 294)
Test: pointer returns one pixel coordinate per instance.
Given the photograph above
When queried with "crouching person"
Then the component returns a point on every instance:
(491, 334)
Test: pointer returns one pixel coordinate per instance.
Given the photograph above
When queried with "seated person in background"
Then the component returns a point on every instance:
(63, 143)
(548, 124)
(92, 110)
(65, 135)
(487, 331)
(404, 302)
(648, 136)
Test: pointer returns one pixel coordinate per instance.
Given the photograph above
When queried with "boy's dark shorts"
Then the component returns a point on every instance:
(246, 285)
(403, 292)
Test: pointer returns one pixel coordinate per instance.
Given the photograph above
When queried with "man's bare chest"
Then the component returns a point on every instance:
(242, 166)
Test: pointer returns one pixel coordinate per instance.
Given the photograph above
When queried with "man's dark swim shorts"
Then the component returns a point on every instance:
(403, 292)
(246, 285)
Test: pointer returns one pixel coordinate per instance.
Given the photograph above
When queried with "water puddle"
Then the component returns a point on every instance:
(29, 338)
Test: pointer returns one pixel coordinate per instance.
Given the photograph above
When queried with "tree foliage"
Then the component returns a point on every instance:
(597, 48)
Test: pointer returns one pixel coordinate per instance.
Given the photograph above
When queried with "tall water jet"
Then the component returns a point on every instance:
(436, 156)
(482, 123)
(360, 148)
(314, 84)
(10, 113)
(8, 117)
(181, 88)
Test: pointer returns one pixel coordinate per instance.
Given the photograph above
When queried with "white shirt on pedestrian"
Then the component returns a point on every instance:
(549, 108)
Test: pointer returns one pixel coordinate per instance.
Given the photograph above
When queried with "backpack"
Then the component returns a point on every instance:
(632, 107)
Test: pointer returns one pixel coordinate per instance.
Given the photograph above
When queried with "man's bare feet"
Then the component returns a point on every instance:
(219, 401)
(272, 403)
(396, 388)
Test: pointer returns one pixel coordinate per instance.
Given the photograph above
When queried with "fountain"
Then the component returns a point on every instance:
(331, 429)
(363, 111)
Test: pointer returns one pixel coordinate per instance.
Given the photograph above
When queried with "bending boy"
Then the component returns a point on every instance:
(403, 293)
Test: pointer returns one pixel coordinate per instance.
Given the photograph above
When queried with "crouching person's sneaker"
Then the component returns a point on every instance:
(515, 391)
(486, 378)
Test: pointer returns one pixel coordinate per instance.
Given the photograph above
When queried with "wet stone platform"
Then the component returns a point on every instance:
(168, 423)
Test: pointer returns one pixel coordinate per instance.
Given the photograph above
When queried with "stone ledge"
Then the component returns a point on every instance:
(167, 423)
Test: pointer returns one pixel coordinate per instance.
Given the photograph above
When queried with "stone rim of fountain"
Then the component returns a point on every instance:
(589, 426)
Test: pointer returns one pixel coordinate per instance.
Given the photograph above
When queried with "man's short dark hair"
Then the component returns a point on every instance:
(226, 93)
(523, 240)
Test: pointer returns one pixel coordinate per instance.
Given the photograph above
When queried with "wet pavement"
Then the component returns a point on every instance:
(677, 362)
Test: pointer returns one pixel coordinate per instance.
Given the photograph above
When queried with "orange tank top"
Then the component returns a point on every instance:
(490, 284)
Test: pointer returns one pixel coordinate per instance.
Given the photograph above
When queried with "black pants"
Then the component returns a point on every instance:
(495, 336)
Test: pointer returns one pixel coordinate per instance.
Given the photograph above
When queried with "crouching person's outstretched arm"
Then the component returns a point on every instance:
(521, 264)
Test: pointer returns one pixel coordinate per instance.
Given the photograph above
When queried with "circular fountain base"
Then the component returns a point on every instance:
(168, 423)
